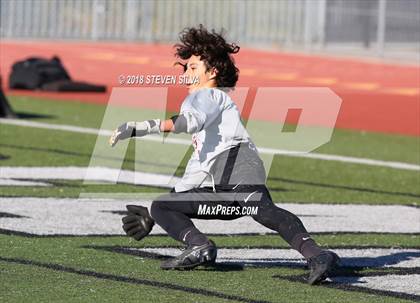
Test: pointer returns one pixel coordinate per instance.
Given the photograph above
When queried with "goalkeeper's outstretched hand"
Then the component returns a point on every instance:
(134, 129)
(138, 223)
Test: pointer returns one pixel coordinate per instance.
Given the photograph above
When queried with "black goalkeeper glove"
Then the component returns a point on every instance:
(138, 223)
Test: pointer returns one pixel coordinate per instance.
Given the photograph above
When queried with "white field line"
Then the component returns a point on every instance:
(377, 258)
(11, 175)
(263, 150)
(11, 182)
(64, 216)
(360, 257)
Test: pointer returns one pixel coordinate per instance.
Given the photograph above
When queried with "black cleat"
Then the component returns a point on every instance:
(322, 266)
(192, 257)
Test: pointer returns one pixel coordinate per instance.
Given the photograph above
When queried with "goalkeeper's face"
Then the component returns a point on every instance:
(198, 75)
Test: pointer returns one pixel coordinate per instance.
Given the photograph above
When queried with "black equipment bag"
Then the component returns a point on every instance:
(34, 72)
(49, 75)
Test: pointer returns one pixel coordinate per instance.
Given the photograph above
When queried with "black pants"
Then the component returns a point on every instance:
(173, 212)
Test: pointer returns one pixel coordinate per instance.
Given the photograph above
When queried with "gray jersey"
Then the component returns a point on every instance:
(215, 124)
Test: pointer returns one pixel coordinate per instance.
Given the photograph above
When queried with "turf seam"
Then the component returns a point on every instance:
(131, 280)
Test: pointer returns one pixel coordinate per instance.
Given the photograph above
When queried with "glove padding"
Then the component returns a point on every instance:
(134, 129)
(138, 223)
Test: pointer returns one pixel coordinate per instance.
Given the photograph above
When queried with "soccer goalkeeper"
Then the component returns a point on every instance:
(225, 173)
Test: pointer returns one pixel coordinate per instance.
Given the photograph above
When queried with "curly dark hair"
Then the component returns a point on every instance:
(213, 50)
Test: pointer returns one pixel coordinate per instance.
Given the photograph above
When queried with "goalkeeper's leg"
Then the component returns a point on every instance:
(321, 262)
(173, 212)
(288, 225)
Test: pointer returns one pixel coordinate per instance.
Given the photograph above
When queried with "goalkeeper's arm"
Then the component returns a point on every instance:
(176, 124)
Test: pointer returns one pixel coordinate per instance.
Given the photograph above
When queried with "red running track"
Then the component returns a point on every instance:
(376, 96)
